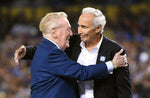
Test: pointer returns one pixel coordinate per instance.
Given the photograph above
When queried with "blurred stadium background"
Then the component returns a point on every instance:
(128, 23)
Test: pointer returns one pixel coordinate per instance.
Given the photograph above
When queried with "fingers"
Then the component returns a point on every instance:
(120, 60)
(125, 59)
(16, 57)
(19, 53)
(119, 53)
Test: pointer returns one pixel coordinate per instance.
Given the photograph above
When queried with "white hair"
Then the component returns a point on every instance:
(99, 17)
(51, 20)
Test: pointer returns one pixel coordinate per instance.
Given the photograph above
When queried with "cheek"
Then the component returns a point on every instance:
(63, 39)
(87, 32)
(88, 35)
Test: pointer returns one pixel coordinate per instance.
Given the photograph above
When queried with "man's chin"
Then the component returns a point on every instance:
(83, 39)
(67, 46)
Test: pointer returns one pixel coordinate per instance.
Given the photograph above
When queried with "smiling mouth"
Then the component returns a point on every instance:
(68, 39)
(84, 35)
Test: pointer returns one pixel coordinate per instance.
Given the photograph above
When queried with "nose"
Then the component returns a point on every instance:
(70, 33)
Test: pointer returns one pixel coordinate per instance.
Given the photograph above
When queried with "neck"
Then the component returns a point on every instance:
(48, 37)
(92, 43)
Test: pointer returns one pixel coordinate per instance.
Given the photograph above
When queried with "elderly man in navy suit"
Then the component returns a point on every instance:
(53, 74)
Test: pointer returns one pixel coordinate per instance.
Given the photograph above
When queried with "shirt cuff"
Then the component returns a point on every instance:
(109, 65)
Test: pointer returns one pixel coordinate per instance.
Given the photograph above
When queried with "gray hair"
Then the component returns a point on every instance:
(99, 17)
(51, 20)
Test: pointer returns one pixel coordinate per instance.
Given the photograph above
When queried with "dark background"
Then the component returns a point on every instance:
(128, 23)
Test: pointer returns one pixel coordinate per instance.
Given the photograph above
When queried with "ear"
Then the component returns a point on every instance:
(53, 33)
(98, 29)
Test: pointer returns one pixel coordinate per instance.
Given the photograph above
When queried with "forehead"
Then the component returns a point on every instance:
(86, 19)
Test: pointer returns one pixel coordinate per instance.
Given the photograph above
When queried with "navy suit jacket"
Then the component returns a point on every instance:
(54, 75)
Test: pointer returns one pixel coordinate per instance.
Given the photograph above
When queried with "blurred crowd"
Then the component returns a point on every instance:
(127, 23)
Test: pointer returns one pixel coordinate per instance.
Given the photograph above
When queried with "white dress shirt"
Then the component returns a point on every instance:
(89, 58)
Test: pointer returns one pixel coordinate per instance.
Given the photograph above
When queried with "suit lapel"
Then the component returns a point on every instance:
(76, 52)
(75, 48)
(101, 57)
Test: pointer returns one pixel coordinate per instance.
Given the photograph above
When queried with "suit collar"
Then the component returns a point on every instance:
(49, 43)
(52, 42)
(102, 50)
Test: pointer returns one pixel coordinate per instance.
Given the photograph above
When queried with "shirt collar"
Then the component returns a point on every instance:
(82, 44)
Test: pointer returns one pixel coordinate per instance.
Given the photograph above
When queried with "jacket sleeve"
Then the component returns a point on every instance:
(60, 65)
(123, 81)
(30, 50)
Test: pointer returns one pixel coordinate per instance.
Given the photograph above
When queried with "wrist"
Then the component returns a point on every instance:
(114, 65)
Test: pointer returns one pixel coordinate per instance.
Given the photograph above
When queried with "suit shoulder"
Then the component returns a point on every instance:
(112, 42)
(113, 45)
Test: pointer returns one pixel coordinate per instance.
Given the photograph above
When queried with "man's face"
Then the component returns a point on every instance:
(63, 33)
(85, 27)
